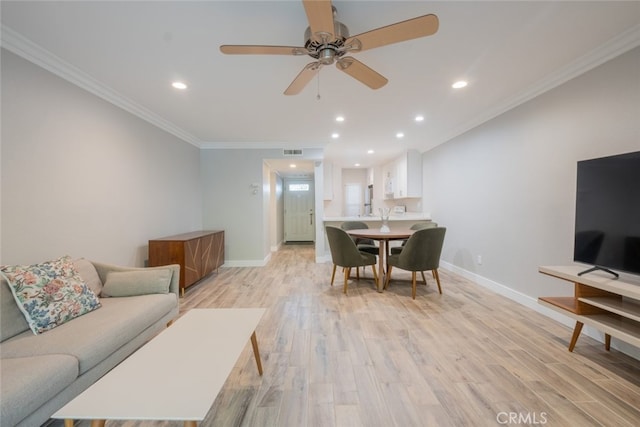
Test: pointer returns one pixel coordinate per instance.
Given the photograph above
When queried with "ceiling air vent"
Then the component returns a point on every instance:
(294, 152)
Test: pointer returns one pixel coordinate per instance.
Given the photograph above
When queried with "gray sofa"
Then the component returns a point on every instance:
(41, 373)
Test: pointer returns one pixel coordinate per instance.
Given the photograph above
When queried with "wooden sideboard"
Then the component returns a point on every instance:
(607, 304)
(198, 253)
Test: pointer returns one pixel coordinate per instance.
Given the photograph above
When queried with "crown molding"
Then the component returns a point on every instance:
(21, 46)
(25, 48)
(259, 145)
(618, 45)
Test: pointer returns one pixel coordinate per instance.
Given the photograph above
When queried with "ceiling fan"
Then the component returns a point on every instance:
(327, 41)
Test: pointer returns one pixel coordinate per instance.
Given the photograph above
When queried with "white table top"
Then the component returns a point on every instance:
(175, 376)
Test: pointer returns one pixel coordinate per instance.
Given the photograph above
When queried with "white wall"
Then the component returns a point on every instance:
(506, 190)
(85, 178)
(276, 211)
(229, 202)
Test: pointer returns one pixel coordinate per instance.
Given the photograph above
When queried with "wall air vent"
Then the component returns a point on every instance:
(294, 152)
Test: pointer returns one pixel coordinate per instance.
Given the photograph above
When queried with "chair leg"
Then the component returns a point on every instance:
(347, 272)
(386, 283)
(375, 275)
(423, 278)
(413, 284)
(333, 274)
(437, 276)
(358, 273)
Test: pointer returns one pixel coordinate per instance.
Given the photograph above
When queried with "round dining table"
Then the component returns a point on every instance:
(383, 237)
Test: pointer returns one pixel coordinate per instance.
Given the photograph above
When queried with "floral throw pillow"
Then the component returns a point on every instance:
(50, 293)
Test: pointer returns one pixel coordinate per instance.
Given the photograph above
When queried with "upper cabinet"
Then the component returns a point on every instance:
(403, 176)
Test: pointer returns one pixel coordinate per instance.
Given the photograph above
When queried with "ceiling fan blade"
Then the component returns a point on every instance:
(421, 26)
(320, 17)
(303, 78)
(361, 72)
(231, 49)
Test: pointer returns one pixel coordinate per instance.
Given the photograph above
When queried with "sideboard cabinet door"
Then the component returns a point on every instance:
(198, 253)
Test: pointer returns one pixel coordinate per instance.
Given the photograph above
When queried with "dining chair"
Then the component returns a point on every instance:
(416, 226)
(365, 245)
(345, 253)
(421, 253)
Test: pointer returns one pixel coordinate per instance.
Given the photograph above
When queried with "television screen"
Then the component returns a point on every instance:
(607, 231)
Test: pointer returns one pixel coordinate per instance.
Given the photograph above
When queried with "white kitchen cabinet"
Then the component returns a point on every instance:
(403, 176)
(389, 180)
(370, 174)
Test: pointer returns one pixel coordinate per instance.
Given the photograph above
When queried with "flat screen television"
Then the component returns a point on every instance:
(607, 230)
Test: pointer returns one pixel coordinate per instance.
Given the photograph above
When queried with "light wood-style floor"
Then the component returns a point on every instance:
(465, 358)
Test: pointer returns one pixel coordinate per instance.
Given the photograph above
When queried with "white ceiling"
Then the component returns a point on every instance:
(130, 52)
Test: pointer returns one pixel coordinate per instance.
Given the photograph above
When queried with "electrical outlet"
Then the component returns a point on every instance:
(479, 259)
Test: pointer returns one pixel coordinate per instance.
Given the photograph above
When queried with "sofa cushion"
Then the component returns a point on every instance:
(137, 282)
(29, 382)
(50, 293)
(96, 335)
(12, 321)
(88, 274)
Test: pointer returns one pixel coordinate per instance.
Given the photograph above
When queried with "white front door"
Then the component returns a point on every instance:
(299, 217)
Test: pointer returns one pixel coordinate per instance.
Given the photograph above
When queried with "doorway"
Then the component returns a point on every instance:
(299, 215)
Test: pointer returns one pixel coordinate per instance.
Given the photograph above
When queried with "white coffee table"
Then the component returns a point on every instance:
(175, 376)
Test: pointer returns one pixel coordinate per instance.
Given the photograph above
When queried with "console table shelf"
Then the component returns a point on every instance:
(624, 307)
(609, 305)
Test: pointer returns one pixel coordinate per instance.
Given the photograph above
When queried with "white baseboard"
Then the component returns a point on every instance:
(247, 262)
(323, 258)
(532, 303)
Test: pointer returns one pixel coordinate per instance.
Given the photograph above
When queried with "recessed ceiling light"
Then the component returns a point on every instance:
(335, 135)
(340, 119)
(419, 118)
(399, 135)
(459, 84)
(357, 165)
(370, 152)
(179, 85)
(292, 165)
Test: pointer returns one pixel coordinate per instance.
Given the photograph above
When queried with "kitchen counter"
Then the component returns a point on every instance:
(408, 216)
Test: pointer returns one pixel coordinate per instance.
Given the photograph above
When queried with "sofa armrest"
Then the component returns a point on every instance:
(104, 269)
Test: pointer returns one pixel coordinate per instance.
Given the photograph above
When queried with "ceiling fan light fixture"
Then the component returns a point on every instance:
(326, 56)
(327, 40)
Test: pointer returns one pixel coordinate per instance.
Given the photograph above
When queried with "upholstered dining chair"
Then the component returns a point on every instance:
(345, 253)
(416, 226)
(365, 245)
(421, 253)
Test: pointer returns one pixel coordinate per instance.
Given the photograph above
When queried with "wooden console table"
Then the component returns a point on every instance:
(198, 253)
(607, 304)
